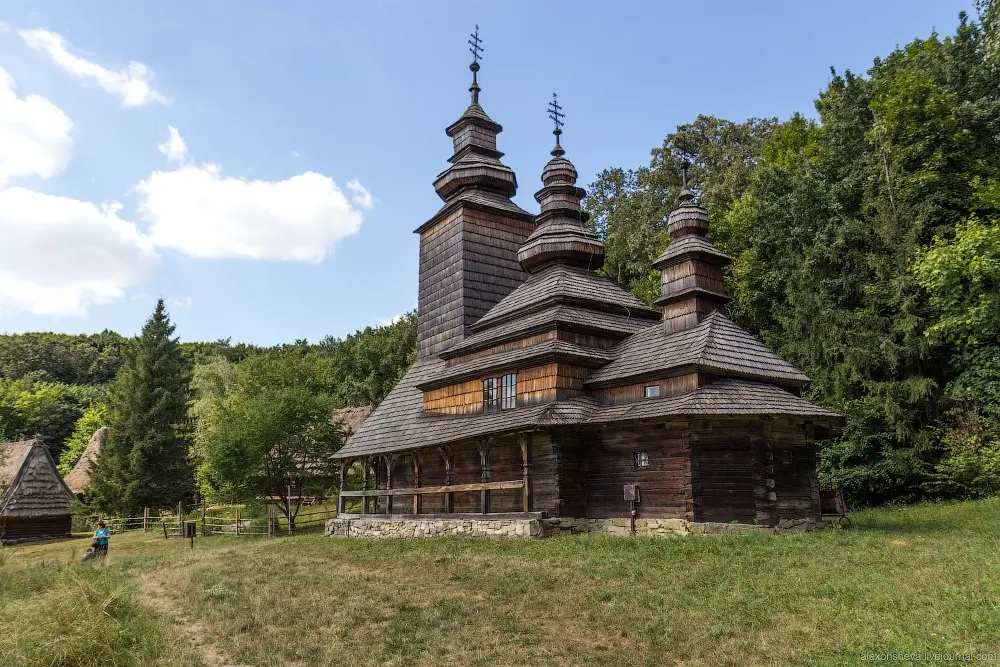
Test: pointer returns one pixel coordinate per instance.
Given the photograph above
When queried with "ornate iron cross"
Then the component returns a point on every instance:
(476, 49)
(555, 112)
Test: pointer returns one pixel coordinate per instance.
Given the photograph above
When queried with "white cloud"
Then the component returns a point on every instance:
(61, 255)
(34, 134)
(4, 28)
(133, 84)
(186, 302)
(197, 210)
(361, 197)
(174, 147)
(386, 321)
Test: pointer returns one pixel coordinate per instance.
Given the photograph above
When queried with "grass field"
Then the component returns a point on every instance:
(916, 579)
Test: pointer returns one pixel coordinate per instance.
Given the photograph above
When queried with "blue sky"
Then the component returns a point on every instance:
(306, 136)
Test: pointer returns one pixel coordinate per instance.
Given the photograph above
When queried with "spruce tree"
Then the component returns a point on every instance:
(144, 462)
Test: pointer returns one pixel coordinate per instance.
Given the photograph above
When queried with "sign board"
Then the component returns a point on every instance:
(631, 493)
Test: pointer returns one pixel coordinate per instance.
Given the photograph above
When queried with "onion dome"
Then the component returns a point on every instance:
(476, 161)
(561, 235)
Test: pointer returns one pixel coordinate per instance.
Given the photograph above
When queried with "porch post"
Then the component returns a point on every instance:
(390, 463)
(524, 439)
(417, 498)
(484, 446)
(449, 478)
(365, 463)
(341, 500)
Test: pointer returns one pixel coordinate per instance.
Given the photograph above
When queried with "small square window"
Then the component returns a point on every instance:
(653, 391)
(641, 459)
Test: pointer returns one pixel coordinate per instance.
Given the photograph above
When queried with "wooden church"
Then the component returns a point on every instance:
(542, 389)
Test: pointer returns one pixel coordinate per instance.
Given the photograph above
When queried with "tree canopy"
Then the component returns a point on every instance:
(864, 248)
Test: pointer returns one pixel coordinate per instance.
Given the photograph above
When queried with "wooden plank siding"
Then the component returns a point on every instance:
(636, 392)
(539, 384)
(468, 263)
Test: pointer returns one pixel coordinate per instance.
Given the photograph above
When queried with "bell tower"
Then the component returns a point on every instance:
(468, 249)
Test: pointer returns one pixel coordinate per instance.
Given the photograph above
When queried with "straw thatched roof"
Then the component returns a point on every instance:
(78, 479)
(32, 484)
(352, 418)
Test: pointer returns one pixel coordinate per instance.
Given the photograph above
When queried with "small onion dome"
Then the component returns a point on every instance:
(561, 235)
(688, 217)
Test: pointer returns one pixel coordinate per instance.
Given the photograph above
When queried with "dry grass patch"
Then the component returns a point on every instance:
(741, 599)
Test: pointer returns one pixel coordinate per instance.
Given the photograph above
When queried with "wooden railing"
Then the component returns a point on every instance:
(420, 490)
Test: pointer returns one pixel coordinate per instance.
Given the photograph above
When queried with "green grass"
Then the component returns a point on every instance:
(921, 578)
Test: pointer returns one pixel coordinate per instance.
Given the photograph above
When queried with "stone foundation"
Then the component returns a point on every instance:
(381, 527)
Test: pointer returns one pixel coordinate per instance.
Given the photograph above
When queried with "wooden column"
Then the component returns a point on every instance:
(365, 464)
(390, 463)
(484, 446)
(449, 478)
(417, 498)
(345, 466)
(524, 439)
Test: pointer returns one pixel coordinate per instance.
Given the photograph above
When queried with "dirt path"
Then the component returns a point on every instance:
(155, 596)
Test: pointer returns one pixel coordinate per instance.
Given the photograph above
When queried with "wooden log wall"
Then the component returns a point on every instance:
(16, 528)
(794, 454)
(664, 487)
(754, 470)
(723, 471)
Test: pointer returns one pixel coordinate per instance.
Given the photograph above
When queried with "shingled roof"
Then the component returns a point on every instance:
(351, 418)
(570, 318)
(33, 485)
(399, 423)
(716, 344)
(517, 358)
(561, 284)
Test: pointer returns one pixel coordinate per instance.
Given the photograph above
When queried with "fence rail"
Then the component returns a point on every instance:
(207, 523)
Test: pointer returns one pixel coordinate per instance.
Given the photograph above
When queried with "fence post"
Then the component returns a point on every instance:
(145, 519)
(288, 506)
(180, 514)
(237, 521)
(203, 509)
(270, 521)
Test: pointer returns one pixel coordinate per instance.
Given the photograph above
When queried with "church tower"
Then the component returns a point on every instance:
(468, 249)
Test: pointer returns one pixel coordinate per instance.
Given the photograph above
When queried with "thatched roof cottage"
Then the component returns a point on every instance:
(34, 499)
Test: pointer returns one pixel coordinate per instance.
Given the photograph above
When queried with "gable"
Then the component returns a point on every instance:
(35, 486)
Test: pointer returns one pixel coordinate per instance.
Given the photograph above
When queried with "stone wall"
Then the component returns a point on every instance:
(370, 527)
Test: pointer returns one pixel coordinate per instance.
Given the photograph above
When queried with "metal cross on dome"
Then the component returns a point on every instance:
(476, 46)
(555, 113)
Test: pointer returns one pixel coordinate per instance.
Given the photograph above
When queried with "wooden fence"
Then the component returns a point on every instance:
(209, 521)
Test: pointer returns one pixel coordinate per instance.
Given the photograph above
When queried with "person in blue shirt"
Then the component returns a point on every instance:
(101, 537)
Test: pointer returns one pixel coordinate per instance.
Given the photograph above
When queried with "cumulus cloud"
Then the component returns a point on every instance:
(361, 197)
(34, 134)
(133, 84)
(201, 212)
(174, 147)
(61, 255)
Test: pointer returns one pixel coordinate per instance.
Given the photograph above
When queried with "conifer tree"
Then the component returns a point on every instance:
(144, 462)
